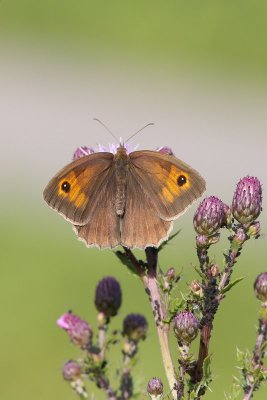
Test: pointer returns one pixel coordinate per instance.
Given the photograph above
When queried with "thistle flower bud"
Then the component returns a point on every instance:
(79, 331)
(185, 326)
(155, 388)
(247, 200)
(71, 370)
(196, 288)
(81, 152)
(108, 296)
(170, 275)
(227, 215)
(214, 270)
(202, 241)
(209, 216)
(169, 278)
(240, 236)
(254, 229)
(135, 327)
(260, 287)
(165, 150)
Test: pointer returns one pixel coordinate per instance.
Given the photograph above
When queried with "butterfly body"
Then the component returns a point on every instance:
(124, 199)
(121, 161)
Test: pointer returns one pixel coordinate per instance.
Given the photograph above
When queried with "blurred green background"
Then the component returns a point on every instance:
(196, 69)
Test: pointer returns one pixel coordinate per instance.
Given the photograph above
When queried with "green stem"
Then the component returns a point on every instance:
(257, 357)
(149, 279)
(153, 292)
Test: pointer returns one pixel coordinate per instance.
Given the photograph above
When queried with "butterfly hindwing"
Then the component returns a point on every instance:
(103, 226)
(141, 226)
(170, 184)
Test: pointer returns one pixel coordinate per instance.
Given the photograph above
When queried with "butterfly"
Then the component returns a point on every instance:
(124, 199)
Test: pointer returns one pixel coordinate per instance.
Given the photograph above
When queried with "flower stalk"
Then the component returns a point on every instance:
(149, 278)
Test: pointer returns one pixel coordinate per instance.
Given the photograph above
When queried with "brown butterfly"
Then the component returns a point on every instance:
(124, 199)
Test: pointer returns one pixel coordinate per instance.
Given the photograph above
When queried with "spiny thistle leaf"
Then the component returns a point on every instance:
(171, 237)
(235, 391)
(125, 261)
(232, 284)
(199, 272)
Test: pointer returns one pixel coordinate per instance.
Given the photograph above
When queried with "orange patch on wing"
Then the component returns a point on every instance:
(75, 195)
(172, 189)
(167, 195)
(80, 200)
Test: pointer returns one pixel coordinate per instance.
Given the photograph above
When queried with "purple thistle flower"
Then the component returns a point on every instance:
(135, 327)
(155, 388)
(247, 200)
(112, 148)
(71, 370)
(209, 216)
(260, 286)
(185, 326)
(108, 296)
(165, 150)
(82, 151)
(79, 331)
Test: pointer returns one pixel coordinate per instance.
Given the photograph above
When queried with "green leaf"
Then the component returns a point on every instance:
(125, 261)
(207, 376)
(239, 355)
(235, 391)
(199, 272)
(169, 240)
(232, 284)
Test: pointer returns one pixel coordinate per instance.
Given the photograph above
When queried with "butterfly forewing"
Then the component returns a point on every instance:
(170, 184)
(73, 191)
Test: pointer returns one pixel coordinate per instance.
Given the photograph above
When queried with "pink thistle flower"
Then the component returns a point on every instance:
(165, 150)
(82, 151)
(78, 330)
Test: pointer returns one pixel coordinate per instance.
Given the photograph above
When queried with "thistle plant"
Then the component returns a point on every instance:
(189, 316)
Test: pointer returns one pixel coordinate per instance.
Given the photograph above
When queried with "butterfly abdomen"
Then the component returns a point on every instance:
(121, 165)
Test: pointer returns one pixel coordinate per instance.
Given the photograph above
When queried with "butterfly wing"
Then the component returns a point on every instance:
(169, 183)
(141, 227)
(103, 227)
(73, 192)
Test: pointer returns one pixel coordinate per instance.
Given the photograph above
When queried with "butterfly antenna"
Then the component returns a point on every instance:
(101, 123)
(150, 123)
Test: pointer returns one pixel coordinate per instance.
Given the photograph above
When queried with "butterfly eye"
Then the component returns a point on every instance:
(65, 186)
(181, 180)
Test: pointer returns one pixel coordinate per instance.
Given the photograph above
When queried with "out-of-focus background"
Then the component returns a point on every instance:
(195, 69)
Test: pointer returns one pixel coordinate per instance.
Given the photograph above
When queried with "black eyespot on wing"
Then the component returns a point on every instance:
(181, 180)
(65, 186)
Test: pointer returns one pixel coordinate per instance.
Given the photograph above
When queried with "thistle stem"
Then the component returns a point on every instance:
(149, 279)
(103, 383)
(101, 340)
(184, 350)
(258, 355)
(152, 290)
(226, 276)
(126, 386)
